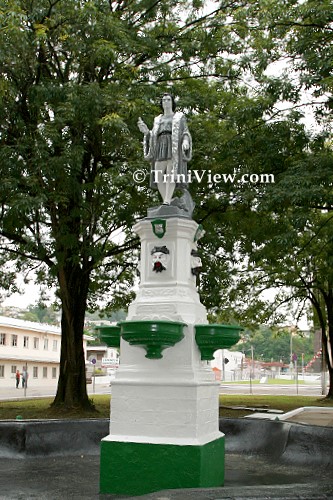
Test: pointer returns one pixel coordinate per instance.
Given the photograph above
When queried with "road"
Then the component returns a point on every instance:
(9, 393)
(272, 389)
(234, 388)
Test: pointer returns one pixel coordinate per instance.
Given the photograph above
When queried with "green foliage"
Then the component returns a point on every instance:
(281, 233)
(75, 77)
(274, 345)
(74, 80)
(41, 314)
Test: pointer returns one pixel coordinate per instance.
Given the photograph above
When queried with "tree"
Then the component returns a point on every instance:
(292, 253)
(75, 77)
(274, 344)
(40, 313)
(304, 32)
(282, 232)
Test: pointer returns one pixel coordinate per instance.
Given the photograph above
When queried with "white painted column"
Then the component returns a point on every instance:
(173, 400)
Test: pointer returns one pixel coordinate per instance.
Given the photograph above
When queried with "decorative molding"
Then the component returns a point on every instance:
(165, 292)
(162, 309)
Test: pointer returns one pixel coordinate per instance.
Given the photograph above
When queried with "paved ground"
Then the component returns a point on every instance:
(322, 417)
(10, 393)
(308, 416)
(247, 477)
(273, 389)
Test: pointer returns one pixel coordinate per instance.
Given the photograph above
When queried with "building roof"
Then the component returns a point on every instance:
(34, 326)
(29, 325)
(24, 359)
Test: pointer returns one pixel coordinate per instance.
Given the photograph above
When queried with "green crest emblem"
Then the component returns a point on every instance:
(159, 227)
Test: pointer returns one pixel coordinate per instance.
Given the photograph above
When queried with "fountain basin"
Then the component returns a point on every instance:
(110, 335)
(210, 338)
(153, 336)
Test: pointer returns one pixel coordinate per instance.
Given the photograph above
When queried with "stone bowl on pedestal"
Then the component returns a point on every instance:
(153, 336)
(210, 338)
(109, 334)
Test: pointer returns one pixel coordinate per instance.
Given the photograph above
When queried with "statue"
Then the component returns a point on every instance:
(168, 146)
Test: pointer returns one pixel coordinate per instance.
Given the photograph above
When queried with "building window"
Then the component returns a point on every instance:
(2, 339)
(14, 340)
(54, 372)
(55, 345)
(35, 372)
(44, 371)
(36, 342)
(25, 341)
(46, 344)
(2, 371)
(13, 369)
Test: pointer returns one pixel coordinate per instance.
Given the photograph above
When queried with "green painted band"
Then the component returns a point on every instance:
(139, 468)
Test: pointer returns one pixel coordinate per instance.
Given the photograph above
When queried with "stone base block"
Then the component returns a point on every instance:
(129, 468)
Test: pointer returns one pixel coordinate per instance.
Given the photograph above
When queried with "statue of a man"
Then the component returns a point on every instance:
(168, 146)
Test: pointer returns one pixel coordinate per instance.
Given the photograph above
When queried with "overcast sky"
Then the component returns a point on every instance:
(30, 296)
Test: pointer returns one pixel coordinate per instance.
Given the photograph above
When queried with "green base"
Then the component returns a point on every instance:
(139, 468)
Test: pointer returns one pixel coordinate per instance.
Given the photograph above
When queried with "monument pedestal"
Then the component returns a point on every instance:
(164, 426)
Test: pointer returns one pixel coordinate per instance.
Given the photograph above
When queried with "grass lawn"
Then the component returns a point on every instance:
(40, 408)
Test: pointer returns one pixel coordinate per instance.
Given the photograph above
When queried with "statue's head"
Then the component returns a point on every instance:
(172, 100)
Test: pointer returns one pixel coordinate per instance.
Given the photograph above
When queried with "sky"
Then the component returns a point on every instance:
(30, 296)
(32, 291)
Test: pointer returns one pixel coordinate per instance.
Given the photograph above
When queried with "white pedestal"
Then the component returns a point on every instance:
(164, 430)
(173, 400)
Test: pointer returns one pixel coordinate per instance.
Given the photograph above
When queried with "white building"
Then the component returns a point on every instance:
(102, 356)
(35, 346)
(232, 368)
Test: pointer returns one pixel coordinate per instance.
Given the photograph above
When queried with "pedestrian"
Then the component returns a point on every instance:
(24, 378)
(17, 376)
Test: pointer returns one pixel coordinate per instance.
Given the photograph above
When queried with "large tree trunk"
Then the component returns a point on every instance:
(325, 318)
(329, 341)
(330, 387)
(72, 389)
(328, 358)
